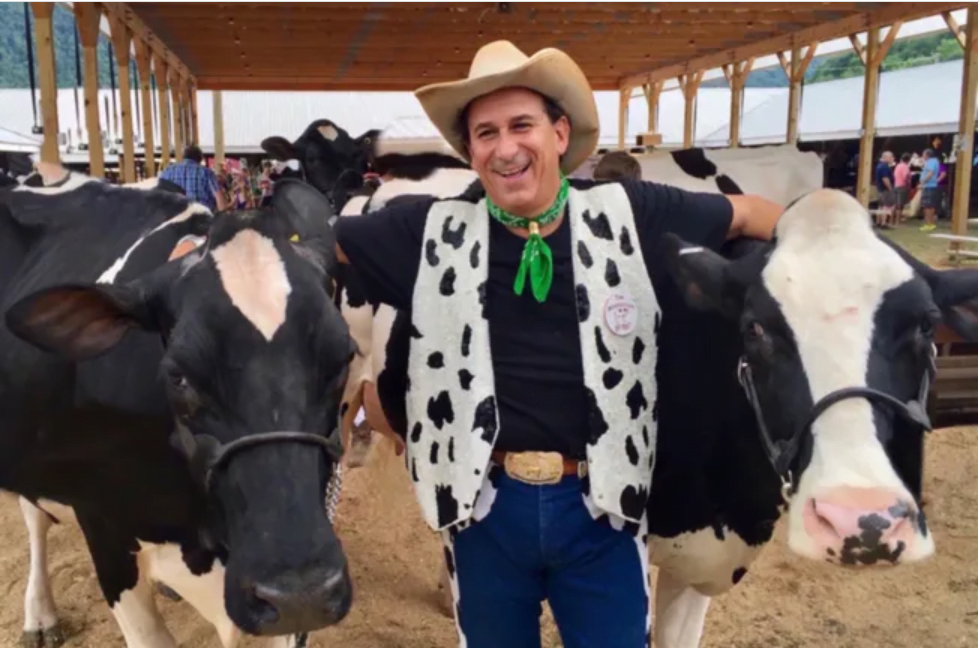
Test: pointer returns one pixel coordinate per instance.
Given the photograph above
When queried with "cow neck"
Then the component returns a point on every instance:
(536, 260)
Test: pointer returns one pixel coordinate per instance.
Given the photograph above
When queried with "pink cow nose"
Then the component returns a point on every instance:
(861, 528)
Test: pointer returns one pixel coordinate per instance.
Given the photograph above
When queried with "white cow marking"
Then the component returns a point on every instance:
(254, 277)
(329, 132)
(74, 181)
(442, 183)
(701, 560)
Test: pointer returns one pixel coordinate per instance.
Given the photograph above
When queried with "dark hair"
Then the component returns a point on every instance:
(193, 152)
(928, 152)
(617, 165)
(551, 108)
(905, 157)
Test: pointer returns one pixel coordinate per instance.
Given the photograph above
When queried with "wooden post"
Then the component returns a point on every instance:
(689, 84)
(121, 38)
(144, 64)
(795, 70)
(44, 44)
(87, 17)
(185, 100)
(737, 74)
(624, 95)
(967, 128)
(163, 107)
(652, 91)
(194, 125)
(217, 106)
(178, 132)
(872, 56)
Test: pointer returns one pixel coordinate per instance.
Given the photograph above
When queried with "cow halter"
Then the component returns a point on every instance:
(781, 453)
(536, 258)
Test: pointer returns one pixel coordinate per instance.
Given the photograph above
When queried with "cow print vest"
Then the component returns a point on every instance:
(451, 405)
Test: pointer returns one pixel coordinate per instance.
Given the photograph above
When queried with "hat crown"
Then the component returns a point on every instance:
(493, 58)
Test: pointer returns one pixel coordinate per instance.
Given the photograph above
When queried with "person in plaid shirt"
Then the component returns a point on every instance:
(197, 181)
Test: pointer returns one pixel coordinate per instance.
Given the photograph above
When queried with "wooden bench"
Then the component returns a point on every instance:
(952, 399)
(955, 249)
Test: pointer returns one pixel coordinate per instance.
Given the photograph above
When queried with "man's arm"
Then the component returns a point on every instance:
(754, 217)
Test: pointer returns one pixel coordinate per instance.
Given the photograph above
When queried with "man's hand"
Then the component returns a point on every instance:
(754, 217)
(341, 257)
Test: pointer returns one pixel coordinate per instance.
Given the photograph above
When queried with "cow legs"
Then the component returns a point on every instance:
(41, 627)
(680, 613)
(127, 591)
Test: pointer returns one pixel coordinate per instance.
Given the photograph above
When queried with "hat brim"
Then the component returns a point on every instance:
(550, 72)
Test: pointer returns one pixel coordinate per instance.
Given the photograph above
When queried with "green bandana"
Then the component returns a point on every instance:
(536, 259)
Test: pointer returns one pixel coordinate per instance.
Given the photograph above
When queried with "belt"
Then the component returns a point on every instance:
(539, 468)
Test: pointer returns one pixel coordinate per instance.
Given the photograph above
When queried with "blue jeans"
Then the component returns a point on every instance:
(540, 543)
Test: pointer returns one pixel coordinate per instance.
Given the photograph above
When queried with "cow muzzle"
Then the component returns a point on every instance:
(297, 602)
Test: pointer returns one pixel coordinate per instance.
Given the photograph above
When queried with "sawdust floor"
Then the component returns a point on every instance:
(782, 603)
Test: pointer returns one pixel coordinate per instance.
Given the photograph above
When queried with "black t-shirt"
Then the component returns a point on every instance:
(536, 347)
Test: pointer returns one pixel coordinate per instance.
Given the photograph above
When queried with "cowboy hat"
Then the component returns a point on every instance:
(500, 64)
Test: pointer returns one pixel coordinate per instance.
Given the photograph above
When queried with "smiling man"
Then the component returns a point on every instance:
(532, 366)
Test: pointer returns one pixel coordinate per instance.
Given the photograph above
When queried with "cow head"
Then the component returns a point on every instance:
(830, 306)
(330, 159)
(255, 357)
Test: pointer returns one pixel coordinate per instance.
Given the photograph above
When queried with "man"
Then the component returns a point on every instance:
(884, 179)
(902, 183)
(617, 165)
(198, 182)
(930, 191)
(518, 295)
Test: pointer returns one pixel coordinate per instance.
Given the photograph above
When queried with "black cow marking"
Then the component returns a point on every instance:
(631, 450)
(436, 360)
(581, 302)
(416, 432)
(636, 400)
(447, 283)
(600, 227)
(440, 409)
(481, 291)
(433, 453)
(656, 410)
(694, 163)
(727, 185)
(645, 435)
(450, 565)
(414, 471)
(638, 347)
(446, 504)
(625, 242)
(612, 277)
(456, 237)
(611, 378)
(584, 254)
(415, 333)
(867, 548)
(474, 256)
(467, 336)
(485, 418)
(738, 575)
(603, 351)
(718, 529)
(451, 454)
(656, 322)
(465, 379)
(597, 425)
(430, 246)
(633, 501)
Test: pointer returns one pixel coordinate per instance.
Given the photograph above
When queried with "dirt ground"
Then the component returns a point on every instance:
(782, 603)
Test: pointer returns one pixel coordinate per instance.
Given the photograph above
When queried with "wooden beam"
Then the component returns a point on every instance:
(194, 124)
(140, 31)
(44, 46)
(652, 91)
(737, 77)
(871, 85)
(121, 38)
(885, 45)
(689, 84)
(217, 107)
(859, 48)
(795, 70)
(175, 114)
(87, 17)
(624, 95)
(163, 107)
(882, 15)
(967, 127)
(954, 27)
(144, 61)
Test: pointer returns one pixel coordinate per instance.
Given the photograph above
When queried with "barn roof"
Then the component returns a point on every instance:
(398, 46)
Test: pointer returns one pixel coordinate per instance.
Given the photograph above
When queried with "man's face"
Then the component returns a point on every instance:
(516, 150)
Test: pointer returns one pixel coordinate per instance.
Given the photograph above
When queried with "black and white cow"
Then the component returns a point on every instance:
(829, 323)
(160, 399)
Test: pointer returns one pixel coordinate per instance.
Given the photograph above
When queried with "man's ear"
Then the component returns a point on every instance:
(80, 322)
(702, 277)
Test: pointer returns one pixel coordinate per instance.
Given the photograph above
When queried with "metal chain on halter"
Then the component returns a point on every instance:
(333, 492)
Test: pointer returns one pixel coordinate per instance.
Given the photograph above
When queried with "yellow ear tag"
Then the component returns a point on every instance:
(294, 238)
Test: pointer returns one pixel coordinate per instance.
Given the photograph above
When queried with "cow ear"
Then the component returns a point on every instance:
(79, 322)
(311, 217)
(955, 294)
(279, 148)
(702, 276)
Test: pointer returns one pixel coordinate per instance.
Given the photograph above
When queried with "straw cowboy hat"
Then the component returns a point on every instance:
(500, 64)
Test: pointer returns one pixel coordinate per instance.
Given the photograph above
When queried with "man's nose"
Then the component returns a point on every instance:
(506, 146)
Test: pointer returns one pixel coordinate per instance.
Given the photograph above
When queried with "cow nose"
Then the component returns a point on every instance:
(291, 605)
(862, 530)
